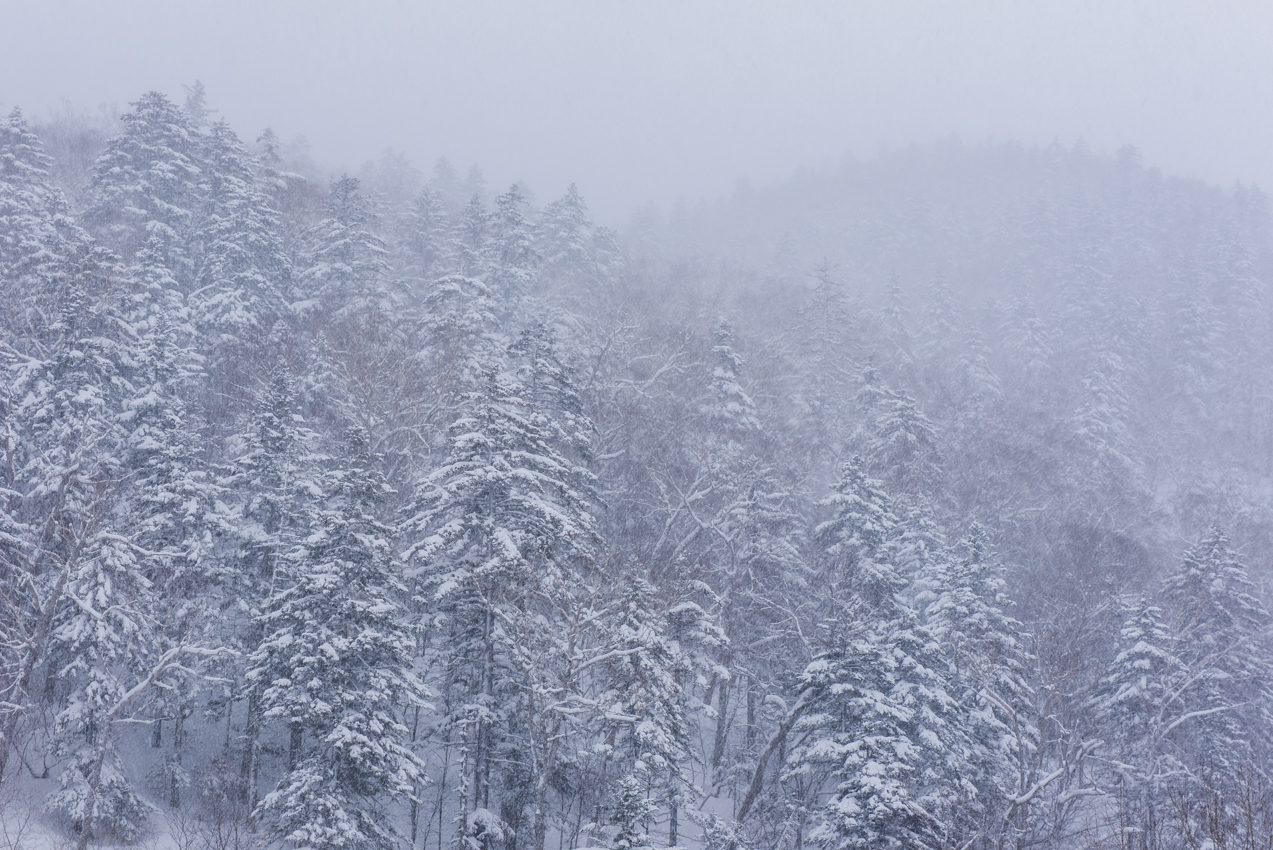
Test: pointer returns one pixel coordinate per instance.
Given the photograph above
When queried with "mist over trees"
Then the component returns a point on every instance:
(918, 502)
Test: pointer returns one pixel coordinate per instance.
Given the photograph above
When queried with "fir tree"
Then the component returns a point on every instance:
(243, 272)
(106, 652)
(60, 365)
(984, 652)
(505, 528)
(576, 252)
(346, 272)
(424, 247)
(172, 513)
(876, 715)
(513, 257)
(274, 477)
(643, 723)
(856, 540)
(630, 812)
(335, 668)
(1137, 703)
(150, 184)
(1221, 630)
(732, 410)
(899, 442)
(38, 238)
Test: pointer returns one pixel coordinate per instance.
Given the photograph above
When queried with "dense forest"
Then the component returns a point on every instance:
(918, 502)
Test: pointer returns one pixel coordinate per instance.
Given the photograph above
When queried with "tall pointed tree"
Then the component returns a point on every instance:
(1221, 630)
(37, 235)
(346, 272)
(150, 184)
(876, 717)
(243, 273)
(335, 669)
(1135, 705)
(504, 528)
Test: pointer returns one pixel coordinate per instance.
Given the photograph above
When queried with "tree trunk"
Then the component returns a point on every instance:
(751, 715)
(415, 784)
(722, 728)
(90, 805)
(295, 741)
(446, 763)
(776, 744)
(465, 762)
(178, 735)
(482, 768)
(34, 652)
(249, 767)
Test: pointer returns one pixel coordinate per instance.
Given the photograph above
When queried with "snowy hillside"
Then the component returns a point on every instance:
(925, 501)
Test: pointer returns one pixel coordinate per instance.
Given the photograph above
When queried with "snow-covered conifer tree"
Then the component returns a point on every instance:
(243, 273)
(505, 530)
(1220, 629)
(1135, 706)
(346, 271)
(424, 245)
(898, 443)
(150, 184)
(578, 255)
(274, 478)
(643, 723)
(513, 258)
(56, 429)
(106, 652)
(38, 238)
(334, 668)
(876, 717)
(985, 656)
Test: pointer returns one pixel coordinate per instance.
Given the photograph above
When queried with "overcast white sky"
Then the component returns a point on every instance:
(657, 99)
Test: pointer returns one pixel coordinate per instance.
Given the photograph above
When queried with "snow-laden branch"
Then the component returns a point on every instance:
(119, 538)
(1199, 713)
(1037, 788)
(606, 656)
(167, 661)
(758, 776)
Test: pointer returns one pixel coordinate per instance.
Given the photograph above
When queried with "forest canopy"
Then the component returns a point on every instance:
(924, 501)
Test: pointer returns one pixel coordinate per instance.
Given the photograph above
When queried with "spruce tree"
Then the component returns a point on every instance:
(150, 184)
(59, 358)
(505, 534)
(876, 716)
(38, 237)
(346, 274)
(512, 259)
(1137, 704)
(984, 654)
(334, 668)
(1221, 631)
(243, 273)
(273, 477)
